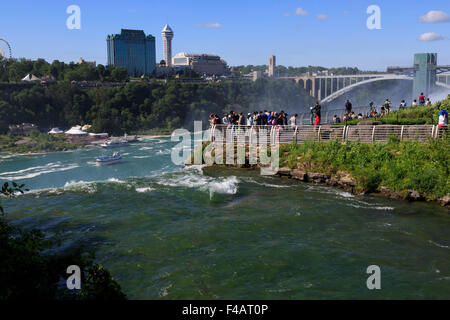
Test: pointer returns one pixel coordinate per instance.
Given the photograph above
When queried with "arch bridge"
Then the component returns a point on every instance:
(425, 74)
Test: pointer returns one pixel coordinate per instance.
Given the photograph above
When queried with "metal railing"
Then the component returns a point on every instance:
(299, 134)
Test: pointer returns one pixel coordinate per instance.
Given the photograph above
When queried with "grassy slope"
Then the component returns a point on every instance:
(399, 166)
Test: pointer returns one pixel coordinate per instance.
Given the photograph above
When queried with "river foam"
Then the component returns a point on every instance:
(193, 177)
(37, 171)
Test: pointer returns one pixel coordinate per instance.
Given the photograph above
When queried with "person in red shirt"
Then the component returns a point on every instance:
(316, 121)
(421, 99)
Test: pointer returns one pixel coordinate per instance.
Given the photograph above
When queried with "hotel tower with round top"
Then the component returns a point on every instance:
(167, 35)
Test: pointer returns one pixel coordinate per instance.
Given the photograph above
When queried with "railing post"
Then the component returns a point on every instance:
(401, 133)
(373, 133)
(432, 131)
(318, 133)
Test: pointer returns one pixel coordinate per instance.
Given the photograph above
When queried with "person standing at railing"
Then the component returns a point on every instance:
(249, 119)
(217, 120)
(270, 118)
(414, 103)
(387, 105)
(316, 121)
(280, 120)
(312, 115)
(284, 115)
(212, 120)
(348, 106)
(318, 109)
(265, 119)
(443, 119)
(293, 121)
(233, 118)
(428, 103)
(259, 119)
(241, 119)
(226, 119)
(422, 99)
(402, 105)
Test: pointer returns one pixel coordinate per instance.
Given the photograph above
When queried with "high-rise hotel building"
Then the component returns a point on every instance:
(167, 35)
(133, 50)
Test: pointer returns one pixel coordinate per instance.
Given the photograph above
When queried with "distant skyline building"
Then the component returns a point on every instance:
(425, 73)
(92, 63)
(167, 35)
(203, 64)
(133, 50)
(272, 66)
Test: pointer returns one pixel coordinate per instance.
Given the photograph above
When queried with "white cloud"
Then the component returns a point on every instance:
(212, 25)
(430, 36)
(301, 12)
(434, 16)
(322, 17)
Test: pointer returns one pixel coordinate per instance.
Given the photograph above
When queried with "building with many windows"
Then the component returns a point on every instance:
(133, 50)
(203, 64)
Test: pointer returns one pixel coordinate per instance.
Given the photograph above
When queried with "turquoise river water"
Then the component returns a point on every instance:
(166, 232)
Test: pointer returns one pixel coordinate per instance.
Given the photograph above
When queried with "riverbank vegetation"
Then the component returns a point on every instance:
(36, 142)
(13, 70)
(398, 166)
(139, 106)
(31, 270)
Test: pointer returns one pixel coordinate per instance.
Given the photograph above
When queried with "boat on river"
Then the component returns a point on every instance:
(131, 139)
(109, 159)
(115, 144)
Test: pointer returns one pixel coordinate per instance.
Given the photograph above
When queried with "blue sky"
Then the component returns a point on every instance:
(242, 32)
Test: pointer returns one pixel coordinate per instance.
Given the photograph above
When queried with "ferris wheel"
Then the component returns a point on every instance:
(5, 49)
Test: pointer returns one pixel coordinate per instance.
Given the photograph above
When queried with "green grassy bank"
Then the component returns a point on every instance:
(398, 166)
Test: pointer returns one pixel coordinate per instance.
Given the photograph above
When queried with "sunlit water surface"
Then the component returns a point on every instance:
(166, 232)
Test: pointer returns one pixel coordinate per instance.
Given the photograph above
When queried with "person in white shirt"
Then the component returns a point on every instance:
(249, 119)
(226, 120)
(403, 104)
(443, 119)
(414, 104)
(293, 120)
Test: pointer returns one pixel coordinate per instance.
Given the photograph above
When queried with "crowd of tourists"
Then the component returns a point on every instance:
(274, 118)
(375, 112)
(261, 118)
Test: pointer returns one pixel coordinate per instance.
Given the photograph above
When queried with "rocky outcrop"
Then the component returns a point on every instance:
(344, 181)
(445, 201)
(414, 195)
